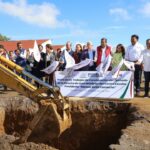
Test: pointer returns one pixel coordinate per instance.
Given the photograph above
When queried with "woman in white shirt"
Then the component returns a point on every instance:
(146, 67)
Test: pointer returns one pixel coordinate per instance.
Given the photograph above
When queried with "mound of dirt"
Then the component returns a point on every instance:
(7, 140)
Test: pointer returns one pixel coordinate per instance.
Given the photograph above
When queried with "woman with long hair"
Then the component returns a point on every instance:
(118, 56)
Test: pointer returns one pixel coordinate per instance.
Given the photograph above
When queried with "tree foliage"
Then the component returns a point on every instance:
(4, 38)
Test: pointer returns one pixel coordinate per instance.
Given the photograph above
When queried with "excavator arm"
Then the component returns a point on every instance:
(49, 98)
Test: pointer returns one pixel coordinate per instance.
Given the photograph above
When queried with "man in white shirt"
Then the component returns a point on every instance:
(146, 67)
(133, 54)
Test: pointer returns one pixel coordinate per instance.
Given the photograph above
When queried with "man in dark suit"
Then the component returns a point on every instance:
(38, 66)
(62, 58)
(89, 53)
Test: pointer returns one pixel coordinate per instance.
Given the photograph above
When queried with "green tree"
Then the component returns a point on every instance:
(4, 38)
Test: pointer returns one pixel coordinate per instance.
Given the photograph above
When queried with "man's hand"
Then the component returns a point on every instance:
(138, 63)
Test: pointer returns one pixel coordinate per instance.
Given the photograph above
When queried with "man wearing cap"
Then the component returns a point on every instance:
(89, 53)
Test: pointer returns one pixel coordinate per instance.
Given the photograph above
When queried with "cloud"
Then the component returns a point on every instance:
(45, 14)
(120, 13)
(146, 10)
(90, 33)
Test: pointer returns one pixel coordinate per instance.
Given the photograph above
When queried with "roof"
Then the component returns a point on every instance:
(55, 47)
(12, 45)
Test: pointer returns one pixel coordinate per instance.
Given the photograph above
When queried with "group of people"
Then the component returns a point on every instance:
(135, 53)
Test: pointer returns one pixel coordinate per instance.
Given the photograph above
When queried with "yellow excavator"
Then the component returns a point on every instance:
(50, 100)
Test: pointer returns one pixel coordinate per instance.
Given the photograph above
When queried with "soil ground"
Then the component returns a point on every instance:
(135, 137)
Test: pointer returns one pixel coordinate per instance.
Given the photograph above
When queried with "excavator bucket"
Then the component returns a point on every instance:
(53, 116)
(47, 124)
(52, 124)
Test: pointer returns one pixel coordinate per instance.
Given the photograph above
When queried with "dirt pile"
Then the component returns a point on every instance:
(6, 144)
(137, 134)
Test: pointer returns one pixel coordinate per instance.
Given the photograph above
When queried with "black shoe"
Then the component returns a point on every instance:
(146, 96)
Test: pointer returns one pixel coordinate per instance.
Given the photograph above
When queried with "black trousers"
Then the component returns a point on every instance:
(137, 77)
(147, 80)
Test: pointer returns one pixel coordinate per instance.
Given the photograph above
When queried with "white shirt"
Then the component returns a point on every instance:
(49, 56)
(103, 55)
(134, 52)
(23, 54)
(146, 60)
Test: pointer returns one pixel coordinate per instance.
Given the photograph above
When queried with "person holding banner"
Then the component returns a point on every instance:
(118, 56)
(49, 59)
(69, 48)
(62, 59)
(77, 54)
(102, 52)
(146, 67)
(133, 54)
(29, 64)
(39, 63)
(58, 54)
(89, 53)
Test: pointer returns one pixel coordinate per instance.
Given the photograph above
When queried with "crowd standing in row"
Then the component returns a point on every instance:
(134, 53)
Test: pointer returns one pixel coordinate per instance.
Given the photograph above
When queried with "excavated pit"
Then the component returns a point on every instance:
(96, 124)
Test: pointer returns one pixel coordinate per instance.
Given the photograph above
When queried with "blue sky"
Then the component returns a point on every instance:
(76, 21)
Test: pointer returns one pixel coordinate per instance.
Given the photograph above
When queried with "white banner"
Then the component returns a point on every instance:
(51, 68)
(90, 84)
(104, 66)
(70, 62)
(69, 71)
(116, 70)
(36, 52)
(82, 64)
(129, 65)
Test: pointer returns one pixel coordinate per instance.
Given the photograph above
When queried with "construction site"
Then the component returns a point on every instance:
(43, 119)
